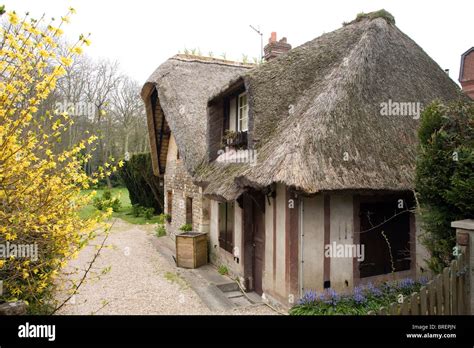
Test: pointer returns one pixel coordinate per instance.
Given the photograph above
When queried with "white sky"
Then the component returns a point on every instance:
(141, 34)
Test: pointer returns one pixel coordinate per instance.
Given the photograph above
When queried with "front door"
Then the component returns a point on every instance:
(254, 215)
(258, 243)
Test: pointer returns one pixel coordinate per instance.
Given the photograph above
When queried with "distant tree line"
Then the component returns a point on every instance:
(101, 101)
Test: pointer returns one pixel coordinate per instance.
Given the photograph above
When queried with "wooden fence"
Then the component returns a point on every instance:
(445, 294)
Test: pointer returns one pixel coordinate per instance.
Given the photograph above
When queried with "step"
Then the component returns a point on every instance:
(228, 287)
(232, 294)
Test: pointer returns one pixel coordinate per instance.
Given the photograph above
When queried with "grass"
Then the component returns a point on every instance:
(125, 212)
(176, 278)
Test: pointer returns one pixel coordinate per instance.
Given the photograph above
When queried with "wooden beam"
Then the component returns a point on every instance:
(327, 236)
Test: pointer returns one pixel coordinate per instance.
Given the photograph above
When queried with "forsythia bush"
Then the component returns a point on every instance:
(39, 186)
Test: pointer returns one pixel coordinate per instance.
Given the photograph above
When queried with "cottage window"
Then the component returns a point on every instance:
(242, 113)
(226, 226)
(169, 202)
(189, 210)
(385, 234)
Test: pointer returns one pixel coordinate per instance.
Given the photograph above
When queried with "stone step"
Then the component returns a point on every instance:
(232, 294)
(228, 287)
(240, 301)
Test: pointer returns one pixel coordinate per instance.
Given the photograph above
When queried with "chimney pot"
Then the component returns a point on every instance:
(275, 48)
(273, 37)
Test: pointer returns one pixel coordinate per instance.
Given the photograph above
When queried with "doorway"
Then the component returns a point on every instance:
(254, 238)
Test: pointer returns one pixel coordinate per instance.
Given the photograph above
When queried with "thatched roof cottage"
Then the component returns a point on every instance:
(175, 98)
(324, 136)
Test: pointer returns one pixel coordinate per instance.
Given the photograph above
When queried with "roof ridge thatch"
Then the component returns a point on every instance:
(373, 15)
(210, 60)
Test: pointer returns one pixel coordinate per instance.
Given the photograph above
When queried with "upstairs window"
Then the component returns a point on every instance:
(242, 113)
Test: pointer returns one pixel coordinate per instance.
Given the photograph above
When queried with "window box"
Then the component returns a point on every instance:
(237, 140)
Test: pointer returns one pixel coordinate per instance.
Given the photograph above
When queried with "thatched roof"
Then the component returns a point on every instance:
(183, 84)
(315, 112)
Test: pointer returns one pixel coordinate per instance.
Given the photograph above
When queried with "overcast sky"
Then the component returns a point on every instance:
(141, 34)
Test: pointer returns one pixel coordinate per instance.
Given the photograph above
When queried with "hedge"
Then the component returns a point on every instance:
(145, 189)
(445, 175)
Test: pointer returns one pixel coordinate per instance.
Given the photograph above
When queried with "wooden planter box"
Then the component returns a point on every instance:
(191, 249)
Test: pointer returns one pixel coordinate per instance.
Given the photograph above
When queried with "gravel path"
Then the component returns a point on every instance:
(136, 279)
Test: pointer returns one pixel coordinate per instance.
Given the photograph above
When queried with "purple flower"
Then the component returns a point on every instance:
(406, 283)
(309, 297)
(332, 297)
(390, 287)
(373, 291)
(358, 295)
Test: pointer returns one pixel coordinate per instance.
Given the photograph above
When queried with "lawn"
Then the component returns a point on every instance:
(125, 212)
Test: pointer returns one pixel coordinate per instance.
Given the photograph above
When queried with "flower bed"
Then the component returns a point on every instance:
(363, 299)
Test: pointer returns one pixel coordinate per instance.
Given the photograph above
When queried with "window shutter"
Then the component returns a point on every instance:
(222, 224)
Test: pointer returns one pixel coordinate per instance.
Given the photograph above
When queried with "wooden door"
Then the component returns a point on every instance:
(258, 229)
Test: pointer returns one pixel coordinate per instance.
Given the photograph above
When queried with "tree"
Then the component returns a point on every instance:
(103, 78)
(445, 175)
(127, 107)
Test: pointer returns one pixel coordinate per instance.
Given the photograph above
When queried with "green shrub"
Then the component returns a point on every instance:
(136, 210)
(164, 218)
(445, 175)
(148, 213)
(116, 204)
(223, 270)
(145, 188)
(160, 231)
(107, 195)
(98, 203)
(107, 201)
(186, 228)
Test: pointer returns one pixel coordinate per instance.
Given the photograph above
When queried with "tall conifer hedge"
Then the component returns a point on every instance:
(445, 175)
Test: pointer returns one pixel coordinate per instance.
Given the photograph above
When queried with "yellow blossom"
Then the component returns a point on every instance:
(76, 50)
(13, 18)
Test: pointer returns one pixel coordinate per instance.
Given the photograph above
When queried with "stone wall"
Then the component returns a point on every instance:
(178, 181)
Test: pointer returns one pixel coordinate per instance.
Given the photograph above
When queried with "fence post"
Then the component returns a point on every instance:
(465, 241)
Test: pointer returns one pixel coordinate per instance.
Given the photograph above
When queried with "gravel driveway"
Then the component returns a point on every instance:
(131, 277)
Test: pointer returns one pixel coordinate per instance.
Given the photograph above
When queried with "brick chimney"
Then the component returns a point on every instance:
(466, 73)
(275, 48)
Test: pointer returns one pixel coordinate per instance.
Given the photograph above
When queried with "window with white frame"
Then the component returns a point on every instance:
(242, 113)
